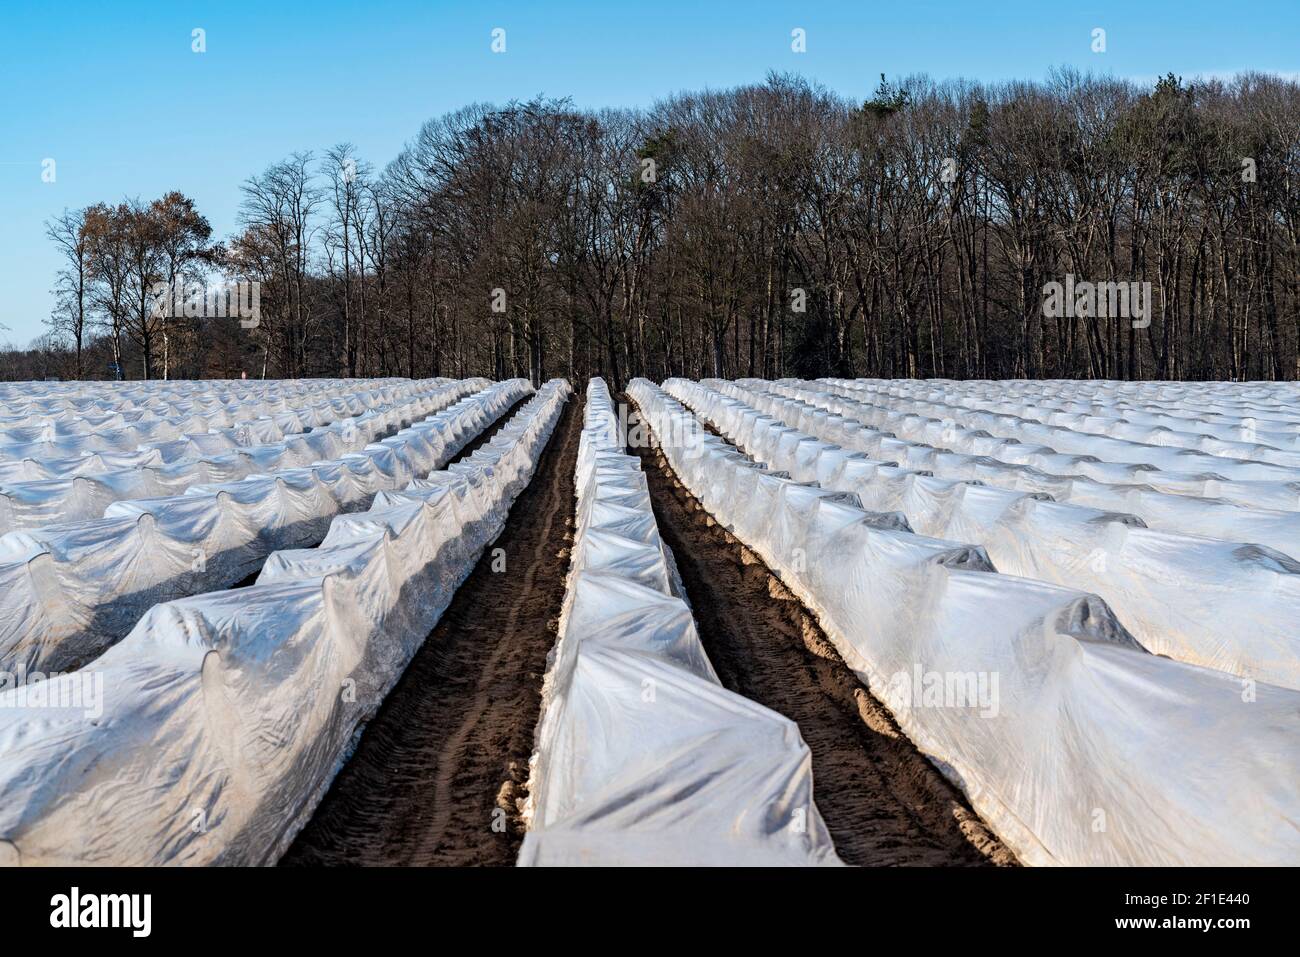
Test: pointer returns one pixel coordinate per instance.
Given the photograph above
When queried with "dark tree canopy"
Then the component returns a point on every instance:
(769, 230)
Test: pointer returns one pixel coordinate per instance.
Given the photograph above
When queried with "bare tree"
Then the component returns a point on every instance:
(72, 291)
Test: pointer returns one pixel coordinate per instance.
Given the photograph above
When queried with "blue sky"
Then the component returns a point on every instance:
(113, 93)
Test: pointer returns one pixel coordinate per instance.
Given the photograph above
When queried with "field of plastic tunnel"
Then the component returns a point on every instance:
(702, 622)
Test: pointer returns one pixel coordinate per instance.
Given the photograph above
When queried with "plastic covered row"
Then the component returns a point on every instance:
(1244, 439)
(986, 434)
(208, 457)
(110, 404)
(1104, 447)
(1198, 505)
(175, 439)
(1268, 403)
(68, 592)
(1223, 605)
(78, 424)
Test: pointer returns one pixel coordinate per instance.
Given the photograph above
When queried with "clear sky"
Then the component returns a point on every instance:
(113, 93)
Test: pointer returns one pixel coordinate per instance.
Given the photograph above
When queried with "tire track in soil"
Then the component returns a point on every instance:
(883, 801)
(448, 751)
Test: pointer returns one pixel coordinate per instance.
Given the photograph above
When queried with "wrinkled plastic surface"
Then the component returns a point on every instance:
(1151, 445)
(170, 467)
(1096, 466)
(68, 592)
(1072, 742)
(1232, 606)
(44, 427)
(225, 717)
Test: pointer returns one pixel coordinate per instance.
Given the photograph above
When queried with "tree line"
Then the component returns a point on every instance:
(768, 230)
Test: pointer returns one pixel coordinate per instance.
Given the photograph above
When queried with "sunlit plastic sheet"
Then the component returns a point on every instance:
(989, 435)
(254, 424)
(1066, 441)
(1224, 605)
(71, 591)
(1212, 505)
(1163, 501)
(73, 408)
(1082, 749)
(91, 463)
(641, 757)
(226, 716)
(210, 457)
(1242, 442)
(263, 419)
(947, 430)
(1272, 403)
(1174, 420)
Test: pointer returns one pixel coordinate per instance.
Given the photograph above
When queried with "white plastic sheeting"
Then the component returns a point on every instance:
(1224, 605)
(110, 404)
(1275, 445)
(1241, 445)
(974, 455)
(88, 463)
(1015, 438)
(1185, 414)
(125, 424)
(67, 592)
(1072, 742)
(642, 758)
(225, 717)
(223, 456)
